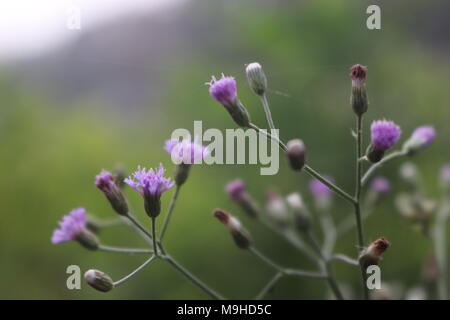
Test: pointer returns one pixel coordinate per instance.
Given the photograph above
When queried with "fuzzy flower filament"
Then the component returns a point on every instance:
(151, 184)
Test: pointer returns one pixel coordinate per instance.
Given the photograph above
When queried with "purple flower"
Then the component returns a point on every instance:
(358, 75)
(380, 185)
(186, 152)
(71, 226)
(320, 190)
(425, 135)
(224, 91)
(236, 189)
(149, 182)
(384, 134)
(107, 183)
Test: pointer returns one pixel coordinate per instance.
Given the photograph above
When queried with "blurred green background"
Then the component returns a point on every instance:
(57, 131)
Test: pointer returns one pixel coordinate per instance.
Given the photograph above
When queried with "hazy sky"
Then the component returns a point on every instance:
(28, 27)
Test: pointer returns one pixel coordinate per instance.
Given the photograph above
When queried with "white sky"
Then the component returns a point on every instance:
(28, 27)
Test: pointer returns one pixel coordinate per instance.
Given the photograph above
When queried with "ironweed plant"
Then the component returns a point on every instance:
(289, 217)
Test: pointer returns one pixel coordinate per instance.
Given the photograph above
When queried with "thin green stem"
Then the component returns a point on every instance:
(266, 107)
(124, 250)
(359, 226)
(138, 226)
(132, 274)
(307, 168)
(193, 278)
(329, 184)
(265, 259)
(371, 170)
(269, 286)
(440, 248)
(345, 258)
(155, 244)
(169, 212)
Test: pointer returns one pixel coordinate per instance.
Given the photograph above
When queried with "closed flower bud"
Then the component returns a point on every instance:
(238, 193)
(107, 183)
(420, 138)
(372, 254)
(239, 234)
(302, 217)
(296, 154)
(88, 240)
(358, 98)
(99, 280)
(276, 208)
(225, 92)
(256, 78)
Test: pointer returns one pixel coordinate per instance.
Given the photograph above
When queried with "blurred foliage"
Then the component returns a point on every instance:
(50, 154)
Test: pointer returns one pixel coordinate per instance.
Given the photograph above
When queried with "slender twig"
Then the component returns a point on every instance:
(345, 258)
(329, 231)
(307, 168)
(138, 226)
(126, 278)
(266, 107)
(359, 226)
(265, 259)
(155, 245)
(371, 170)
(193, 278)
(440, 244)
(292, 238)
(269, 286)
(124, 250)
(169, 212)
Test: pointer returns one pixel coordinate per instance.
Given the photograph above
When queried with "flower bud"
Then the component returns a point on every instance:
(107, 183)
(99, 280)
(238, 193)
(420, 138)
(87, 239)
(256, 78)
(417, 209)
(358, 98)
(276, 208)
(445, 177)
(239, 234)
(225, 92)
(372, 254)
(296, 154)
(181, 173)
(302, 217)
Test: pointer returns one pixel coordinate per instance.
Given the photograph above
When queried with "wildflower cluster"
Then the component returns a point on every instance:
(290, 217)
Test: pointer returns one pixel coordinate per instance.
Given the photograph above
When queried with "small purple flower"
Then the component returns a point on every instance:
(236, 189)
(380, 185)
(151, 184)
(384, 134)
(320, 190)
(186, 152)
(224, 90)
(425, 135)
(107, 183)
(71, 226)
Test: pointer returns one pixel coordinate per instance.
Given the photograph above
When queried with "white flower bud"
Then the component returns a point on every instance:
(256, 78)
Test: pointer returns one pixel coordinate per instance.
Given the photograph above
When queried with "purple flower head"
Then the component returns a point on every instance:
(380, 185)
(358, 74)
(224, 90)
(425, 135)
(320, 190)
(150, 182)
(105, 182)
(384, 134)
(445, 173)
(71, 226)
(186, 152)
(236, 189)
